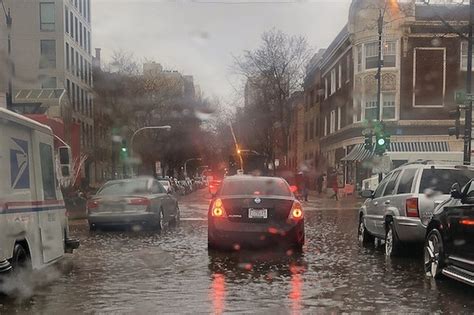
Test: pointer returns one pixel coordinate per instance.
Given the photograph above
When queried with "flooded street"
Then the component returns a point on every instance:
(124, 271)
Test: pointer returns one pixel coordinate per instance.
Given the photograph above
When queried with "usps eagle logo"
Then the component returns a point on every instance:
(19, 168)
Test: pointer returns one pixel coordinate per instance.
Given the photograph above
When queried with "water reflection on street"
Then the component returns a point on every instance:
(124, 271)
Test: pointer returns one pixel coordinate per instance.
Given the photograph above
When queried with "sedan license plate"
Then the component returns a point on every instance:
(258, 213)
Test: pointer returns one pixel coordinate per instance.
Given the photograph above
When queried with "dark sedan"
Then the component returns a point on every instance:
(254, 211)
(449, 245)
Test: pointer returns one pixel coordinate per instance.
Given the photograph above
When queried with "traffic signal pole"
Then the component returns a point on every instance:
(468, 118)
(379, 71)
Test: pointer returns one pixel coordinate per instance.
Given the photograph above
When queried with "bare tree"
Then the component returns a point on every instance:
(273, 71)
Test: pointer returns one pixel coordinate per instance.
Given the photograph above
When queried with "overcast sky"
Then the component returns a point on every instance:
(200, 37)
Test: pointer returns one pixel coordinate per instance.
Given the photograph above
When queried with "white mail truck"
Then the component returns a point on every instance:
(34, 229)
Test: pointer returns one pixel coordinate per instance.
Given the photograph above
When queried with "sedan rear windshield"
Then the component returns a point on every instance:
(265, 187)
(441, 180)
(125, 188)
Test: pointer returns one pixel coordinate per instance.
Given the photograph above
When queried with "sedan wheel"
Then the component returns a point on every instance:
(433, 254)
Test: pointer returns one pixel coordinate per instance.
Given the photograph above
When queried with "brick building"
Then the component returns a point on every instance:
(424, 64)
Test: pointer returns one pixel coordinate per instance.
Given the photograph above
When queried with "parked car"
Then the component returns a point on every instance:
(449, 243)
(255, 211)
(186, 186)
(402, 205)
(167, 185)
(132, 201)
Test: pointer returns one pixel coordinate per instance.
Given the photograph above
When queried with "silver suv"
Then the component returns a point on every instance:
(400, 208)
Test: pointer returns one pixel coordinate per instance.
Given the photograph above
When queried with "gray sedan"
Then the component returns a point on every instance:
(141, 201)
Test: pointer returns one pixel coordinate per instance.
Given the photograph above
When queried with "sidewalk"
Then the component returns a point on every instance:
(324, 202)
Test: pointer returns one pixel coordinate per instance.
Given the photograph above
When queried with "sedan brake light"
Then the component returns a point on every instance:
(92, 204)
(218, 209)
(296, 212)
(139, 201)
(412, 208)
(469, 222)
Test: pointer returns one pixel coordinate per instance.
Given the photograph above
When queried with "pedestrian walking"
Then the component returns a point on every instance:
(335, 188)
(319, 184)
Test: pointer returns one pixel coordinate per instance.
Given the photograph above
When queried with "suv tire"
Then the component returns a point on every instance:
(363, 235)
(392, 243)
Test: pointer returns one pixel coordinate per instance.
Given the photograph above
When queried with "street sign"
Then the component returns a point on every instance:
(381, 164)
(461, 97)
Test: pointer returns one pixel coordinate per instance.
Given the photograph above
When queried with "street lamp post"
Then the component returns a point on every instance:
(166, 127)
(185, 165)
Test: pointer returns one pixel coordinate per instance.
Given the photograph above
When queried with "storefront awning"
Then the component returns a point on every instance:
(359, 153)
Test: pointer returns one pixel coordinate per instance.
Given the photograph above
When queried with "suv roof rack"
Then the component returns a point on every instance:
(454, 163)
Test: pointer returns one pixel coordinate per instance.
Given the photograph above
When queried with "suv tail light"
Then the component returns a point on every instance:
(218, 209)
(412, 208)
(296, 212)
(139, 202)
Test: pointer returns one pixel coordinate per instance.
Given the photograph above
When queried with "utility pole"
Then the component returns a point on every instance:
(468, 119)
(379, 73)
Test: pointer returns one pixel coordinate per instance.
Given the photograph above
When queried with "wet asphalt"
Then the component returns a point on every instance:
(144, 272)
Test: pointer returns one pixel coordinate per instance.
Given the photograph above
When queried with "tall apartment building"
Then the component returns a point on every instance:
(51, 56)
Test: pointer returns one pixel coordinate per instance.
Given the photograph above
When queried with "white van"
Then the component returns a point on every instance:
(33, 223)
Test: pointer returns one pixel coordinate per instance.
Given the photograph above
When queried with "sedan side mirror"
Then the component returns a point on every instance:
(456, 191)
(367, 193)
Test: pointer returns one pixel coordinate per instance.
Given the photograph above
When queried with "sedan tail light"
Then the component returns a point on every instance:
(412, 208)
(218, 209)
(92, 204)
(296, 212)
(139, 202)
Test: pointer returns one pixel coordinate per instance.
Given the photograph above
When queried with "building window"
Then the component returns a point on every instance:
(326, 88)
(332, 124)
(66, 19)
(83, 109)
(311, 130)
(388, 107)
(370, 110)
(72, 61)
(388, 101)
(325, 125)
(47, 16)
(76, 31)
(88, 10)
(357, 112)
(77, 64)
(348, 68)
(339, 78)
(88, 42)
(48, 83)
(82, 68)
(371, 55)
(464, 56)
(68, 88)
(359, 58)
(338, 118)
(80, 35)
(71, 23)
(80, 6)
(48, 54)
(73, 96)
(390, 54)
(78, 98)
(67, 57)
(333, 81)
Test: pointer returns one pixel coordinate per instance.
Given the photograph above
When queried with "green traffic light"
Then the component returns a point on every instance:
(124, 149)
(381, 141)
